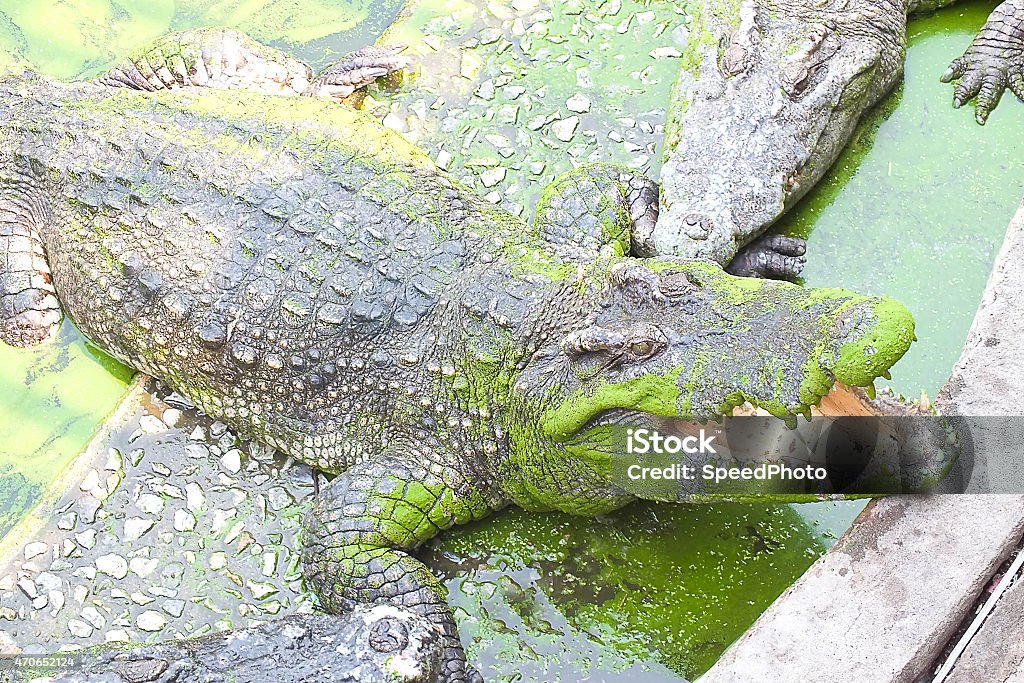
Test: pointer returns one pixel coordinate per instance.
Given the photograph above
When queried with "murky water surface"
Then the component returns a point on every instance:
(507, 95)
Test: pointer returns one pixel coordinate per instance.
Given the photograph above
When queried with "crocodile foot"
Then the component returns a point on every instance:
(993, 62)
(776, 257)
(357, 70)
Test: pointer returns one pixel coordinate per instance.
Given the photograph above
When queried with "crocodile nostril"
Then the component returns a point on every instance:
(696, 226)
(389, 635)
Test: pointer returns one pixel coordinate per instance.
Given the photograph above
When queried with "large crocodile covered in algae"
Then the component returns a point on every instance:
(313, 280)
(769, 93)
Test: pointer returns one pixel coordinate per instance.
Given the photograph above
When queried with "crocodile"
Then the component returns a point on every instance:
(379, 644)
(313, 280)
(768, 94)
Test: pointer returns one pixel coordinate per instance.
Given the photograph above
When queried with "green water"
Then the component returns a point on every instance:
(51, 400)
(917, 205)
(655, 592)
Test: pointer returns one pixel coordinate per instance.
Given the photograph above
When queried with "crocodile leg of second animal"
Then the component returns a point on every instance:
(210, 57)
(356, 70)
(776, 257)
(993, 62)
(361, 531)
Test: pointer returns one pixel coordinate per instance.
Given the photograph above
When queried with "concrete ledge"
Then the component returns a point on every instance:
(884, 601)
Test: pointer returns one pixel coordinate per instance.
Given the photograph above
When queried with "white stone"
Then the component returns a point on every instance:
(48, 581)
(136, 527)
(151, 424)
(150, 503)
(395, 122)
(151, 620)
(56, 601)
(35, 550)
(93, 616)
(492, 176)
(79, 629)
(112, 565)
(28, 588)
(565, 129)
(218, 560)
(578, 103)
(171, 417)
(87, 538)
(195, 499)
(232, 460)
(184, 520)
(143, 566)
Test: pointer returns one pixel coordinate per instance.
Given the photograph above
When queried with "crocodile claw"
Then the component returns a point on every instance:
(775, 257)
(993, 62)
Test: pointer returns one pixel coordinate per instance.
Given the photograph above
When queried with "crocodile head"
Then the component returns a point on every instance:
(682, 339)
(763, 105)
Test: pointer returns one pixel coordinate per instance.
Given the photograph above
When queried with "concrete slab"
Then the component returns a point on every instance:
(996, 653)
(884, 601)
(988, 380)
(882, 604)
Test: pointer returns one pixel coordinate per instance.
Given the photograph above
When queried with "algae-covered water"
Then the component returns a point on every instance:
(507, 94)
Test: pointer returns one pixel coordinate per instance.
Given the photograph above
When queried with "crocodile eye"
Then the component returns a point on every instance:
(642, 348)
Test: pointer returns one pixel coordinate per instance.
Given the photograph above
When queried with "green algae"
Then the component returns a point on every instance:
(654, 591)
(71, 40)
(916, 206)
(52, 398)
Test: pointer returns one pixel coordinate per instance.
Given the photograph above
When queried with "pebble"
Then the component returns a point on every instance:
(136, 527)
(79, 629)
(565, 129)
(195, 499)
(150, 424)
(150, 621)
(492, 176)
(173, 607)
(48, 581)
(150, 503)
(261, 590)
(184, 520)
(171, 417)
(232, 460)
(93, 616)
(28, 588)
(87, 538)
(35, 550)
(218, 560)
(143, 566)
(67, 522)
(112, 565)
(578, 103)
(140, 598)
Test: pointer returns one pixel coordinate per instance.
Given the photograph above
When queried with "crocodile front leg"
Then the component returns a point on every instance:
(355, 71)
(993, 62)
(363, 527)
(210, 57)
(597, 208)
(776, 257)
(226, 58)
